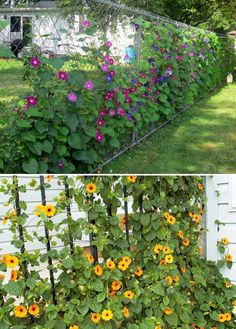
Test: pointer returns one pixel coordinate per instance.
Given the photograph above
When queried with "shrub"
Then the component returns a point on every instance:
(150, 274)
(83, 108)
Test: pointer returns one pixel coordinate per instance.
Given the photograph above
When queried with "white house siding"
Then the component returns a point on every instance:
(221, 193)
(49, 30)
(33, 198)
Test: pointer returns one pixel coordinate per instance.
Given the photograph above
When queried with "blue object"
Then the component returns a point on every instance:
(129, 55)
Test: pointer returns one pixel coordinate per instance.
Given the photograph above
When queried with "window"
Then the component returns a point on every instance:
(15, 24)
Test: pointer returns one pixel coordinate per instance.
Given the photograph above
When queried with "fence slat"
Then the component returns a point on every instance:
(24, 264)
(68, 211)
(48, 244)
(126, 214)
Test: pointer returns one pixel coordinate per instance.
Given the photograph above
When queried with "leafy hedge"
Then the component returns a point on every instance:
(152, 278)
(81, 109)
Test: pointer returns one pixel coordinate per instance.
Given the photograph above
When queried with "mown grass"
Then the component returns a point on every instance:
(202, 140)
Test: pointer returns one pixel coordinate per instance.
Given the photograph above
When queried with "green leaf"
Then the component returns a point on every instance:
(30, 167)
(158, 289)
(145, 219)
(23, 123)
(47, 147)
(98, 285)
(75, 141)
(13, 288)
(172, 319)
(41, 126)
(90, 131)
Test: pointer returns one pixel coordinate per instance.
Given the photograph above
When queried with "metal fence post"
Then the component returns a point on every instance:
(126, 214)
(68, 211)
(48, 244)
(93, 249)
(24, 265)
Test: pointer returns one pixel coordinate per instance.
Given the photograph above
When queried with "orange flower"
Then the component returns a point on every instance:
(95, 317)
(49, 178)
(116, 285)
(122, 221)
(169, 280)
(132, 179)
(200, 186)
(12, 261)
(91, 188)
(183, 269)
(110, 264)
(158, 248)
(4, 220)
(4, 258)
(224, 241)
(2, 277)
(98, 270)
(163, 262)
(185, 242)
(125, 312)
(20, 311)
(169, 259)
(12, 213)
(138, 272)
(168, 311)
(228, 316)
(229, 258)
(181, 234)
(166, 250)
(112, 292)
(221, 318)
(191, 214)
(129, 294)
(196, 218)
(90, 258)
(49, 210)
(127, 260)
(171, 220)
(34, 309)
(14, 275)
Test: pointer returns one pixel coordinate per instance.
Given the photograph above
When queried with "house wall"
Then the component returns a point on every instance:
(221, 206)
(49, 33)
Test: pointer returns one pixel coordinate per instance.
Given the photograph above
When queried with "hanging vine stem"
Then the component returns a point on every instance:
(24, 264)
(48, 244)
(68, 211)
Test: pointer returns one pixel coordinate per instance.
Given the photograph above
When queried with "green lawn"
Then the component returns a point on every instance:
(202, 140)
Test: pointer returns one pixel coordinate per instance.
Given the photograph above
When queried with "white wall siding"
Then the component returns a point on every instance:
(221, 206)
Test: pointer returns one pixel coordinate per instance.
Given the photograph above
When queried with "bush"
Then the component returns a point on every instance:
(153, 277)
(80, 113)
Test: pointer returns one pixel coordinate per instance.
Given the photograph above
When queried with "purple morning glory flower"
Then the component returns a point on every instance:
(101, 122)
(87, 23)
(62, 75)
(35, 62)
(139, 104)
(109, 44)
(133, 81)
(130, 116)
(121, 112)
(99, 136)
(133, 108)
(88, 85)
(108, 78)
(104, 67)
(31, 101)
(112, 113)
(72, 97)
(61, 165)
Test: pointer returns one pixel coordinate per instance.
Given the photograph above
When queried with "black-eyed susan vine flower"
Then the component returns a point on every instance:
(49, 210)
(90, 258)
(158, 248)
(116, 285)
(107, 315)
(229, 258)
(110, 264)
(74, 326)
(125, 312)
(129, 294)
(95, 317)
(20, 311)
(169, 259)
(185, 242)
(33, 309)
(168, 311)
(138, 272)
(5, 220)
(132, 179)
(224, 241)
(91, 188)
(12, 261)
(98, 270)
(14, 275)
